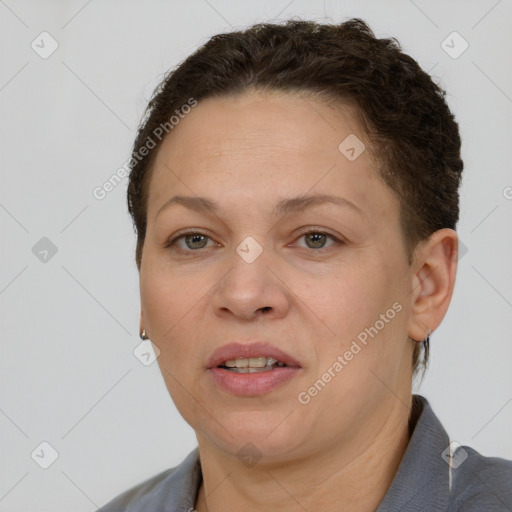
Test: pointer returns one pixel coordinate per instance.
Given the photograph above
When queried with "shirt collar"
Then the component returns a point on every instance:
(422, 481)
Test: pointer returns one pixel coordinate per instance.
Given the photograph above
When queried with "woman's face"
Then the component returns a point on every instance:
(326, 283)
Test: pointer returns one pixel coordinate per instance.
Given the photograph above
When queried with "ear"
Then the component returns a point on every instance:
(433, 282)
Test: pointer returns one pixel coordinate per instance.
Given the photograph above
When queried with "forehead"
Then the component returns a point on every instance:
(265, 122)
(267, 145)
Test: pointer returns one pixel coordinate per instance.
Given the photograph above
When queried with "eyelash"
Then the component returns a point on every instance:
(306, 231)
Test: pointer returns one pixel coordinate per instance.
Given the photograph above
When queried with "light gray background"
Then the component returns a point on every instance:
(70, 325)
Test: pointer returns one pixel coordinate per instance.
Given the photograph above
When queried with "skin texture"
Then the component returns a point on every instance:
(247, 153)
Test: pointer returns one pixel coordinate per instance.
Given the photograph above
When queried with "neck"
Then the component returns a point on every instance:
(349, 478)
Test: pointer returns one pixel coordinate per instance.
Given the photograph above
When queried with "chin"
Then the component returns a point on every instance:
(264, 452)
(269, 434)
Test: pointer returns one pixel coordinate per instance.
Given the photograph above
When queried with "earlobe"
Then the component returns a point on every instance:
(433, 282)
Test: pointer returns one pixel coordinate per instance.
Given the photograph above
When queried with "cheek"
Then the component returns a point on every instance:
(167, 293)
(363, 304)
(355, 295)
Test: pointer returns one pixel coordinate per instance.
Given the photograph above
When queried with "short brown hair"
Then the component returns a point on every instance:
(407, 121)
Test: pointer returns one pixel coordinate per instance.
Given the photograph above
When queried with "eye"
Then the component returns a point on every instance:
(316, 239)
(193, 241)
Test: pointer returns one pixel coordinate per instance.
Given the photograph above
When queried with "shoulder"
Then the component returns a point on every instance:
(173, 489)
(142, 496)
(439, 475)
(480, 483)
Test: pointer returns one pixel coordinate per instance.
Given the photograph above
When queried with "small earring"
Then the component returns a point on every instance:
(143, 336)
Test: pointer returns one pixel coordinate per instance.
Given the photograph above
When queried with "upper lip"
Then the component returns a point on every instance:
(247, 350)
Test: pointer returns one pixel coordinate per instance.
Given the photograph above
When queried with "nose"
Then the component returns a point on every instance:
(251, 290)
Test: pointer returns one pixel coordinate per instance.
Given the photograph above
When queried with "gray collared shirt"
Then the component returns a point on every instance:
(431, 478)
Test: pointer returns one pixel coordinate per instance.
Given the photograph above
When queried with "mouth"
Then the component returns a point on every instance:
(252, 364)
(250, 358)
(251, 369)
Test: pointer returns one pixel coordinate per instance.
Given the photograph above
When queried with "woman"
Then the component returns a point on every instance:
(294, 190)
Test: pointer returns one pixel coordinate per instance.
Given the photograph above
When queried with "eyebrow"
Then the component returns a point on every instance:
(283, 207)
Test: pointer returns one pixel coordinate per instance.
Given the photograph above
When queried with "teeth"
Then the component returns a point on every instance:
(257, 362)
(248, 369)
(252, 363)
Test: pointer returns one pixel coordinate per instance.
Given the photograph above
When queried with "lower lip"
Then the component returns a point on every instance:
(252, 384)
